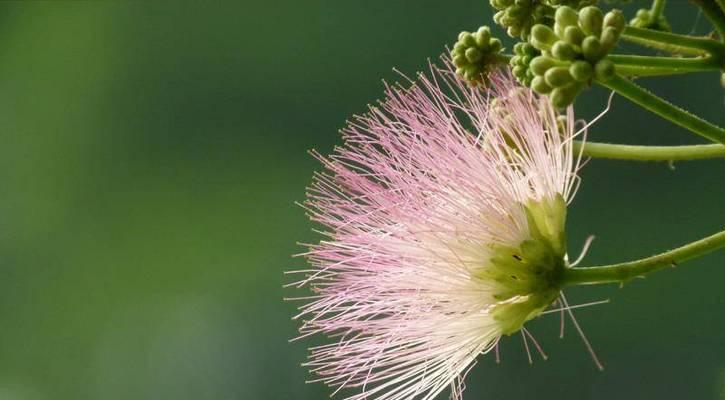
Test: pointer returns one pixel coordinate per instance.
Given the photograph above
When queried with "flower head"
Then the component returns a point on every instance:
(444, 213)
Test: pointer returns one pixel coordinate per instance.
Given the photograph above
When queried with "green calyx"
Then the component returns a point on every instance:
(519, 16)
(573, 52)
(476, 54)
(528, 276)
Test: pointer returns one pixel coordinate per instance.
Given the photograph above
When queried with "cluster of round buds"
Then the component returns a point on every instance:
(475, 54)
(646, 19)
(574, 51)
(519, 16)
(523, 54)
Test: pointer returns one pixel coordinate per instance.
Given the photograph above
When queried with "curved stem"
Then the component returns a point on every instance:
(650, 153)
(664, 109)
(714, 13)
(674, 64)
(623, 272)
(672, 42)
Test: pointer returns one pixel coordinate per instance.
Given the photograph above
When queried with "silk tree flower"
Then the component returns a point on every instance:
(444, 214)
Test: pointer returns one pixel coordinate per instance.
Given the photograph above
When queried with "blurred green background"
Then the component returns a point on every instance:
(150, 155)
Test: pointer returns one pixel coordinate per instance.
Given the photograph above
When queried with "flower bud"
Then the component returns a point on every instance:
(563, 51)
(604, 70)
(645, 19)
(615, 19)
(473, 55)
(539, 85)
(563, 96)
(565, 17)
(609, 39)
(558, 77)
(541, 64)
(542, 37)
(574, 35)
(590, 19)
(482, 36)
(581, 71)
(591, 49)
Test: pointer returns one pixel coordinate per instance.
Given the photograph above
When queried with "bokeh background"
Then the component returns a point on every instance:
(150, 156)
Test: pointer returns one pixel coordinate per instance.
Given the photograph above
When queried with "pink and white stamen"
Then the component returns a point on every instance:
(428, 186)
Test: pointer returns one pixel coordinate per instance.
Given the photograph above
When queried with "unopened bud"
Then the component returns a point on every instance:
(542, 37)
(564, 17)
(563, 96)
(541, 64)
(574, 35)
(582, 71)
(615, 19)
(591, 48)
(539, 85)
(604, 70)
(558, 77)
(590, 19)
(563, 51)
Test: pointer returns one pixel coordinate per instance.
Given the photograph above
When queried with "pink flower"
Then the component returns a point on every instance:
(444, 220)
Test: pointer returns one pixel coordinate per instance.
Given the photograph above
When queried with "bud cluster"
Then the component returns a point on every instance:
(519, 16)
(573, 52)
(520, 62)
(646, 19)
(474, 54)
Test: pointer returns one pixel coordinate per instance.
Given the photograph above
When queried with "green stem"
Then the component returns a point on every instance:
(637, 71)
(672, 42)
(674, 64)
(657, 7)
(714, 13)
(664, 109)
(623, 272)
(650, 153)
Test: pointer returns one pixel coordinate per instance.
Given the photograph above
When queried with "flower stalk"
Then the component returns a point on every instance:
(650, 153)
(672, 42)
(663, 108)
(624, 272)
(673, 64)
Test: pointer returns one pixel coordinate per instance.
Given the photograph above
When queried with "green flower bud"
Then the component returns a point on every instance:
(564, 17)
(482, 36)
(582, 71)
(562, 97)
(645, 19)
(539, 85)
(473, 55)
(590, 20)
(542, 37)
(563, 51)
(609, 39)
(615, 19)
(592, 49)
(558, 77)
(574, 35)
(604, 70)
(541, 64)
